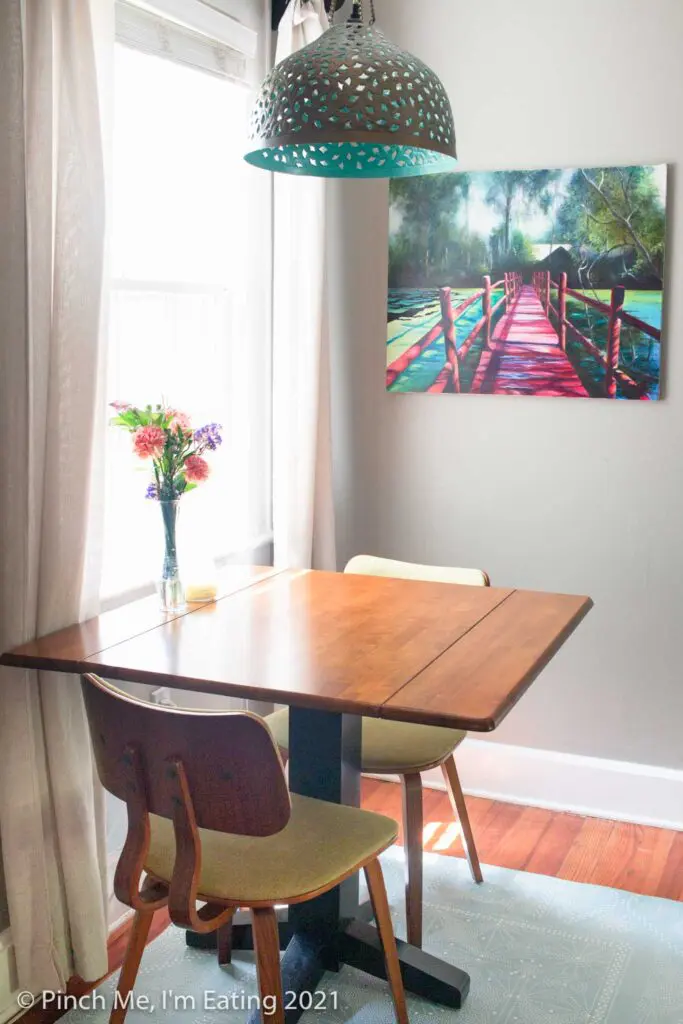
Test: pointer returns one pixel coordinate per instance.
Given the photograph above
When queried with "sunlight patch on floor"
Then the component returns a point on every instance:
(429, 832)
(451, 835)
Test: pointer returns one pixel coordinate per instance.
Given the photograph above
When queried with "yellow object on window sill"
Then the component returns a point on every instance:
(200, 592)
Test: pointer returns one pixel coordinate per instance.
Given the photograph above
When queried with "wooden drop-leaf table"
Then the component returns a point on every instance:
(334, 647)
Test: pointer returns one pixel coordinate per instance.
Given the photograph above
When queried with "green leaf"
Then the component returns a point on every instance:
(127, 419)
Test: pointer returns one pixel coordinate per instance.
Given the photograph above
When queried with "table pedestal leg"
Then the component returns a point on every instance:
(324, 762)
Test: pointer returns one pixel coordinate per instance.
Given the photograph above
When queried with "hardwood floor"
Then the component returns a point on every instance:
(637, 858)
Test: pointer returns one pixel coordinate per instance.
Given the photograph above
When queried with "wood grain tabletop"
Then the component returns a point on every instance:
(67, 649)
(435, 653)
(487, 671)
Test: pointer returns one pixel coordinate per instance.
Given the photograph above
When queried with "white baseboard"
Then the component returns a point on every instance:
(8, 978)
(616, 790)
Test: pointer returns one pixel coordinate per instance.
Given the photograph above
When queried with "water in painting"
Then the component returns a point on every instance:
(542, 282)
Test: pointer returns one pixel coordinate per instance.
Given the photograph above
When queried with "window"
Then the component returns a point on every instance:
(190, 305)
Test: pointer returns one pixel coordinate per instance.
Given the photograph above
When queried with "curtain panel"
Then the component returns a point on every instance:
(54, 60)
(303, 510)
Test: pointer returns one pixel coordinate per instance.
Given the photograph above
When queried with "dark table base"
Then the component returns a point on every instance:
(307, 958)
(335, 929)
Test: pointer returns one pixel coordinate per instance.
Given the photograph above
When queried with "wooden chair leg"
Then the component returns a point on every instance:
(131, 963)
(224, 943)
(380, 907)
(412, 839)
(267, 950)
(450, 774)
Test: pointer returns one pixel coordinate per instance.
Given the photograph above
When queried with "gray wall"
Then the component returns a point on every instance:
(4, 912)
(575, 496)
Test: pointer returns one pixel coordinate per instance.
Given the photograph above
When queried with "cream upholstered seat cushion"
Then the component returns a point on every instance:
(321, 843)
(371, 565)
(389, 748)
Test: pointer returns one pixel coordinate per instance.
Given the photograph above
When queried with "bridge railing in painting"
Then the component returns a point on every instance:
(616, 314)
(449, 377)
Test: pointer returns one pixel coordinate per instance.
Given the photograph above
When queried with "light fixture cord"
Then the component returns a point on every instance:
(357, 3)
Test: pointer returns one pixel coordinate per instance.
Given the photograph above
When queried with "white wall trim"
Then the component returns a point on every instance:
(616, 790)
(8, 978)
(217, 24)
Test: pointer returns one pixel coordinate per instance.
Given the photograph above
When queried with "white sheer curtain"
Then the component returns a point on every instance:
(303, 511)
(54, 61)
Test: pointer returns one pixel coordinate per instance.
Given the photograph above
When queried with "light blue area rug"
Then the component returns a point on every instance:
(539, 951)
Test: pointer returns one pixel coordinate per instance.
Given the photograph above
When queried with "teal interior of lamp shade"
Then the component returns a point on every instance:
(351, 160)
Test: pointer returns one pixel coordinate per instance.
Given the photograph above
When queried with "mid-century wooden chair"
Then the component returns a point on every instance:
(407, 750)
(211, 820)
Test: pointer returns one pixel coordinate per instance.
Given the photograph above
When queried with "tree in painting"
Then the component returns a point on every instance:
(543, 282)
(506, 189)
(615, 215)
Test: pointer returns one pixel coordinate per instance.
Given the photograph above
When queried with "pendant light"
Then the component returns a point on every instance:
(352, 105)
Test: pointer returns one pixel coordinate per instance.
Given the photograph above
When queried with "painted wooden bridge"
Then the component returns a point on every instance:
(524, 354)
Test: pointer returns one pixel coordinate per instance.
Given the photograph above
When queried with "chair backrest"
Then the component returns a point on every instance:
(234, 773)
(370, 565)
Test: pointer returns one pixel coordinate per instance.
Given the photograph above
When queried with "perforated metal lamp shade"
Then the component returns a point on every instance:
(352, 105)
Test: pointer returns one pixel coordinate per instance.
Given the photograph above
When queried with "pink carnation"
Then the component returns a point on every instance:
(148, 442)
(196, 469)
(121, 406)
(179, 419)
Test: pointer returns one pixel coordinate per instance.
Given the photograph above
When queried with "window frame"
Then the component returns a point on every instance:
(235, 29)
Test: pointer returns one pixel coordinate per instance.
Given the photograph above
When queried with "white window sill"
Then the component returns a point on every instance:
(258, 552)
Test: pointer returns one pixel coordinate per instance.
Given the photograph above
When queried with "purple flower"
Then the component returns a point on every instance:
(152, 492)
(208, 437)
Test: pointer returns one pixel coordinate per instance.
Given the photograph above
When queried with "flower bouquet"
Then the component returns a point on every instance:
(176, 451)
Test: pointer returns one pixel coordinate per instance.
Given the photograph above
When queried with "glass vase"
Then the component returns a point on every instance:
(170, 587)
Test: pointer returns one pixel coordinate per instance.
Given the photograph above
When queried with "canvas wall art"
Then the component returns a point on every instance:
(542, 282)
